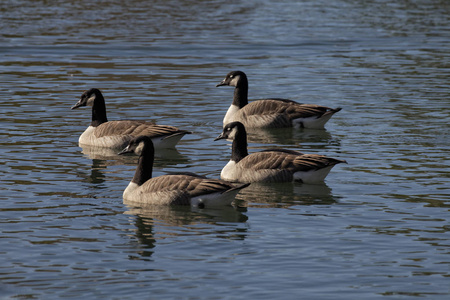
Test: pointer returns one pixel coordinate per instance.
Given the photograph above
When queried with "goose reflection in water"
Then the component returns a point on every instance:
(289, 136)
(286, 194)
(171, 155)
(153, 223)
(103, 157)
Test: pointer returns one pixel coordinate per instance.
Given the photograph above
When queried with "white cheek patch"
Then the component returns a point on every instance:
(91, 100)
(234, 81)
(139, 148)
(232, 133)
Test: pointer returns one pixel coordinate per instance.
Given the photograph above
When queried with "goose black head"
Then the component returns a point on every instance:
(233, 79)
(88, 98)
(137, 145)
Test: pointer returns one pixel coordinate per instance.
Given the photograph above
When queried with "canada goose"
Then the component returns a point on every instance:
(181, 189)
(271, 113)
(275, 165)
(117, 134)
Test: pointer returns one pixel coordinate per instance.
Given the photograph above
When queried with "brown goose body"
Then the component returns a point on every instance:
(181, 190)
(117, 134)
(271, 113)
(277, 165)
(175, 189)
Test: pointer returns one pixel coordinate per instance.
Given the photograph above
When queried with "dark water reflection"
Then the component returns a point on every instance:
(286, 194)
(157, 224)
(295, 138)
(378, 226)
(166, 156)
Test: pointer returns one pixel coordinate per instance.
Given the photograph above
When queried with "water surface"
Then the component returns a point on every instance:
(377, 228)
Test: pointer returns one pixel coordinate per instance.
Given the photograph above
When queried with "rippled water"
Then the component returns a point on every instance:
(379, 227)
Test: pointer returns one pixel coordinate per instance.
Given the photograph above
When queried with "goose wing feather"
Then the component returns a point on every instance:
(287, 160)
(284, 106)
(190, 185)
(135, 128)
(288, 151)
(267, 107)
(268, 160)
(279, 112)
(208, 186)
(308, 162)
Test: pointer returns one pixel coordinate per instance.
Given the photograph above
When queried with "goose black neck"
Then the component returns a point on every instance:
(145, 165)
(98, 111)
(240, 97)
(239, 147)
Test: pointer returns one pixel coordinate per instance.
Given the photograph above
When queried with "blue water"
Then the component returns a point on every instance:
(377, 228)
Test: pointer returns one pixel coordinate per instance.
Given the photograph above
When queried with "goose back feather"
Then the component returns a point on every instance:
(182, 190)
(117, 134)
(173, 189)
(271, 165)
(271, 113)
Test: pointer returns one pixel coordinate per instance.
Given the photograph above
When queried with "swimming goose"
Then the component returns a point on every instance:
(275, 165)
(117, 134)
(180, 189)
(271, 113)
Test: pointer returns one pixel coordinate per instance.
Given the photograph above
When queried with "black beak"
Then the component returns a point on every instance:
(220, 137)
(78, 104)
(124, 151)
(222, 83)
